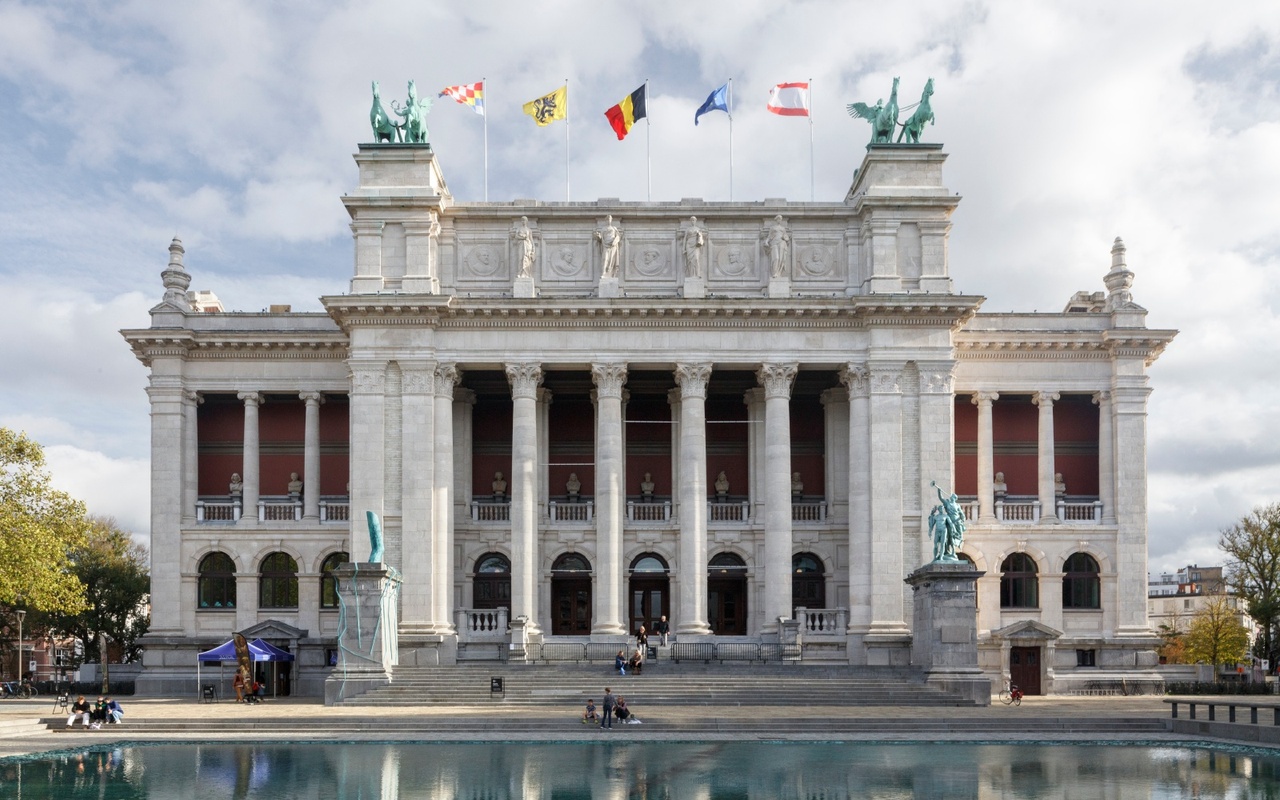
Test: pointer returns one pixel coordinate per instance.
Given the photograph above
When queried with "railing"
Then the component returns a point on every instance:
(1027, 509)
(482, 624)
(1080, 511)
(727, 512)
(648, 511)
(1018, 510)
(808, 511)
(707, 652)
(217, 510)
(335, 511)
(822, 621)
(491, 510)
(970, 508)
(1231, 705)
(577, 651)
(573, 511)
(279, 509)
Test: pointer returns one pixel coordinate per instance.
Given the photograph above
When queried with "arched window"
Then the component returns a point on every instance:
(808, 589)
(491, 587)
(1019, 583)
(571, 562)
(278, 582)
(1080, 585)
(649, 562)
(328, 585)
(726, 563)
(216, 587)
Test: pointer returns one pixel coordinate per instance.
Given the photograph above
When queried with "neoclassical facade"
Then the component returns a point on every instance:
(579, 417)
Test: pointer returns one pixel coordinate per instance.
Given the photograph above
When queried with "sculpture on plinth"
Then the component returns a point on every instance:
(385, 129)
(722, 485)
(777, 241)
(375, 538)
(236, 488)
(524, 244)
(573, 487)
(610, 239)
(499, 486)
(646, 487)
(295, 485)
(923, 115)
(947, 527)
(414, 128)
(882, 117)
(694, 241)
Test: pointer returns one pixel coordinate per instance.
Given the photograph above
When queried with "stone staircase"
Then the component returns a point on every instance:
(661, 684)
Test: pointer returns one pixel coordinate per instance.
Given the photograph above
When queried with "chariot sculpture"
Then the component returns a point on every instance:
(884, 117)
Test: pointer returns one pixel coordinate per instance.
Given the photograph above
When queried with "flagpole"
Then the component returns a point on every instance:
(648, 136)
(731, 140)
(484, 93)
(566, 140)
(812, 195)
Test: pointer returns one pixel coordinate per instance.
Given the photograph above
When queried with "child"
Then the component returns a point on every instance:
(590, 715)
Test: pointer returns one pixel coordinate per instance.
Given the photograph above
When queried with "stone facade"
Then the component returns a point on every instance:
(484, 338)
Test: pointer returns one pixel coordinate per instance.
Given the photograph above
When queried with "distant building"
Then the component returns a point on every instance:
(1174, 598)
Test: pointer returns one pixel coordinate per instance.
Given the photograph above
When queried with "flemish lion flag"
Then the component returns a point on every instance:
(627, 113)
(549, 108)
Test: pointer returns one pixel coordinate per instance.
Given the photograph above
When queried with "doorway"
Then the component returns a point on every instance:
(650, 592)
(727, 595)
(570, 596)
(1024, 669)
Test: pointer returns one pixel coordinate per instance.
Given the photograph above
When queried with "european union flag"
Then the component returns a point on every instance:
(717, 101)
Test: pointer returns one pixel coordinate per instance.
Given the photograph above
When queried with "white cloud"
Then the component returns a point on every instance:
(109, 487)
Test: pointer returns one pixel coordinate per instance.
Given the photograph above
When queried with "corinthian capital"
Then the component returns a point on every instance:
(776, 379)
(368, 378)
(856, 378)
(692, 379)
(448, 376)
(609, 379)
(525, 380)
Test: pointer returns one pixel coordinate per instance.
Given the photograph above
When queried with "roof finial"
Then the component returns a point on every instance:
(175, 278)
(1119, 280)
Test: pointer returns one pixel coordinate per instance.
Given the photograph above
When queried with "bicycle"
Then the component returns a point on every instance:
(1011, 695)
(15, 689)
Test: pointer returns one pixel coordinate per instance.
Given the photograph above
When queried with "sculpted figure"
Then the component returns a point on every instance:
(914, 126)
(797, 485)
(882, 117)
(1001, 488)
(573, 486)
(375, 538)
(524, 243)
(237, 486)
(778, 242)
(610, 239)
(646, 485)
(694, 240)
(384, 129)
(499, 485)
(414, 128)
(722, 484)
(1059, 485)
(295, 485)
(947, 526)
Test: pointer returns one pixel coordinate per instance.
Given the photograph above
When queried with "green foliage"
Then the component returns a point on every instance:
(1252, 546)
(39, 527)
(1172, 647)
(1216, 635)
(1217, 687)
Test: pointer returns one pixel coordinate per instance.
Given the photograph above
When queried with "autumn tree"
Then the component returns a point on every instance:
(1216, 635)
(1252, 546)
(1172, 644)
(39, 528)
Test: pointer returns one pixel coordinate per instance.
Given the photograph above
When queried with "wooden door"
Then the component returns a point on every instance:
(570, 606)
(1024, 669)
(649, 603)
(727, 606)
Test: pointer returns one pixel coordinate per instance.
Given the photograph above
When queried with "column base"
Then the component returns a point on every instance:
(609, 629)
(693, 629)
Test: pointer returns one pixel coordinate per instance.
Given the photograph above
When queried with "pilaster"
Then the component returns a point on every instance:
(887, 609)
(857, 380)
(368, 423)
(417, 501)
(447, 398)
(190, 455)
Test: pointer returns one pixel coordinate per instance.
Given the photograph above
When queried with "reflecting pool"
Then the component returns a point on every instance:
(700, 771)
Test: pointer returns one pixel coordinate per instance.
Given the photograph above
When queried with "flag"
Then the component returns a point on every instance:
(469, 94)
(790, 99)
(627, 113)
(716, 101)
(549, 108)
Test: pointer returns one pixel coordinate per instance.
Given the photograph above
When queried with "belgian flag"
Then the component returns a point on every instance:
(627, 113)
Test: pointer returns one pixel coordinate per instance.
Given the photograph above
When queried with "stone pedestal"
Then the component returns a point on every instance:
(695, 288)
(524, 288)
(367, 626)
(609, 288)
(421, 285)
(779, 287)
(945, 641)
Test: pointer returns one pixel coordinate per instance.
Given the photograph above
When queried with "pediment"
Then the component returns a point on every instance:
(273, 629)
(1027, 629)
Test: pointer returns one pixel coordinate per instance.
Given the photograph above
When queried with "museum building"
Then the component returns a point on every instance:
(573, 418)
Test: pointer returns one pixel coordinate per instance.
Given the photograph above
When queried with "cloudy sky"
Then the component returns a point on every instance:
(232, 124)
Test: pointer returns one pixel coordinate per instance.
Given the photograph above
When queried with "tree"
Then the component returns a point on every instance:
(1252, 546)
(1216, 635)
(39, 526)
(113, 569)
(1172, 645)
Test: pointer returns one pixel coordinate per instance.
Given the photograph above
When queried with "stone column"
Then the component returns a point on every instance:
(525, 379)
(835, 407)
(776, 380)
(986, 457)
(311, 457)
(610, 498)
(246, 595)
(1048, 504)
(937, 446)
(190, 455)
(1106, 458)
(887, 607)
(1130, 430)
(542, 480)
(167, 597)
(857, 379)
(250, 474)
(368, 424)
(692, 380)
(447, 377)
(417, 511)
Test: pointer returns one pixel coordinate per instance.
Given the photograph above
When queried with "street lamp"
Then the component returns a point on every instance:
(21, 616)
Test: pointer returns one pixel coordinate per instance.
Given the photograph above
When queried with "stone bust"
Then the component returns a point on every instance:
(499, 485)
(646, 485)
(237, 486)
(1001, 488)
(1059, 485)
(573, 486)
(797, 485)
(722, 484)
(295, 485)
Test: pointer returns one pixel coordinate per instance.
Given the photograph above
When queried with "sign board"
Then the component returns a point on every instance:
(495, 686)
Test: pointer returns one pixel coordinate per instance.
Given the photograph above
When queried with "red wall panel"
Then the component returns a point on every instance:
(966, 441)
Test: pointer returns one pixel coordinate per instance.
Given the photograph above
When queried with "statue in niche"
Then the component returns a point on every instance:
(947, 527)
(646, 487)
(610, 239)
(295, 485)
(694, 240)
(524, 243)
(237, 486)
(777, 241)
(573, 486)
(797, 485)
(722, 485)
(1059, 485)
(1001, 488)
(499, 486)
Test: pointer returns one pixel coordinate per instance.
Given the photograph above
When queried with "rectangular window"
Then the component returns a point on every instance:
(1086, 658)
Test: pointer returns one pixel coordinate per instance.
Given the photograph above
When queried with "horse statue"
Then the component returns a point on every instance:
(384, 128)
(882, 117)
(414, 127)
(923, 116)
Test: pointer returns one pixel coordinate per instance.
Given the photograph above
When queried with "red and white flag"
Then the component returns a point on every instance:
(790, 99)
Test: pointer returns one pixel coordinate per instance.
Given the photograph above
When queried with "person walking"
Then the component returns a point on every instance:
(608, 705)
(662, 629)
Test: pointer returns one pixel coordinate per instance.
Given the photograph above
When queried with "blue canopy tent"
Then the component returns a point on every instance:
(258, 651)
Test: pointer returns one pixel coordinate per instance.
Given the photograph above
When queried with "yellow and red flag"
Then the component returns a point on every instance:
(627, 113)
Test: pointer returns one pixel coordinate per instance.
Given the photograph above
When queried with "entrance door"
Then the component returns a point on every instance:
(1024, 669)
(727, 606)
(648, 602)
(570, 606)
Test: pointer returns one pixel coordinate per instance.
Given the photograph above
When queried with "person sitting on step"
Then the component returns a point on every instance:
(620, 662)
(636, 662)
(590, 715)
(79, 711)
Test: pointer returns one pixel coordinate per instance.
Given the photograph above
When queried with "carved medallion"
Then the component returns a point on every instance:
(484, 261)
(816, 260)
(650, 262)
(568, 261)
(735, 261)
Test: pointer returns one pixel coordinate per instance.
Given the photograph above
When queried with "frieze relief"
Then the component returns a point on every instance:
(735, 261)
(650, 261)
(483, 261)
(566, 261)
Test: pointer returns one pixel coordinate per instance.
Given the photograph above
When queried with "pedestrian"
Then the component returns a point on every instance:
(608, 704)
(642, 638)
(662, 629)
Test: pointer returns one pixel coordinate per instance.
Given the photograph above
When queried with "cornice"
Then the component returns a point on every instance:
(1062, 345)
(1138, 343)
(150, 344)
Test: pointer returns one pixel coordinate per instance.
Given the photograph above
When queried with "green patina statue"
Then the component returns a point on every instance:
(882, 117)
(947, 527)
(414, 128)
(385, 129)
(375, 537)
(923, 116)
